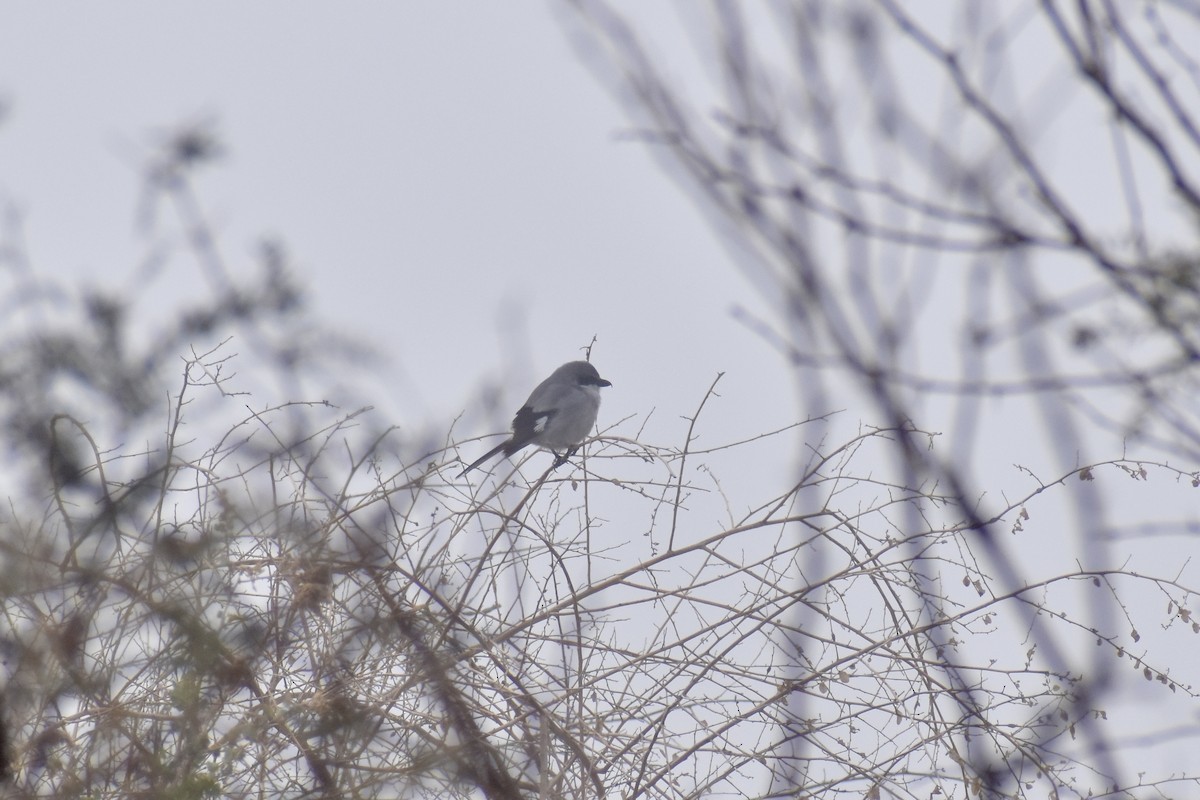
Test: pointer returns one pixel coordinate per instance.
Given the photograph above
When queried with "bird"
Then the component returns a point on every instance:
(558, 415)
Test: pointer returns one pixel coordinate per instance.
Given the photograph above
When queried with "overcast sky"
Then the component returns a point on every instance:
(452, 183)
(449, 179)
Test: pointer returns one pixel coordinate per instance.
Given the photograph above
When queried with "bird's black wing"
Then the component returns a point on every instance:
(527, 426)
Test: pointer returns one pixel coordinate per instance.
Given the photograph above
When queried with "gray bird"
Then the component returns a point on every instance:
(558, 415)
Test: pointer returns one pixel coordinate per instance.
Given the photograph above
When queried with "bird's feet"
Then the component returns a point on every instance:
(560, 460)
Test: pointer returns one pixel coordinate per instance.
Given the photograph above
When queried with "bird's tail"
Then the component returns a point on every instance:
(500, 448)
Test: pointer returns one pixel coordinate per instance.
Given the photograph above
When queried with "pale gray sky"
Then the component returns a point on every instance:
(448, 177)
